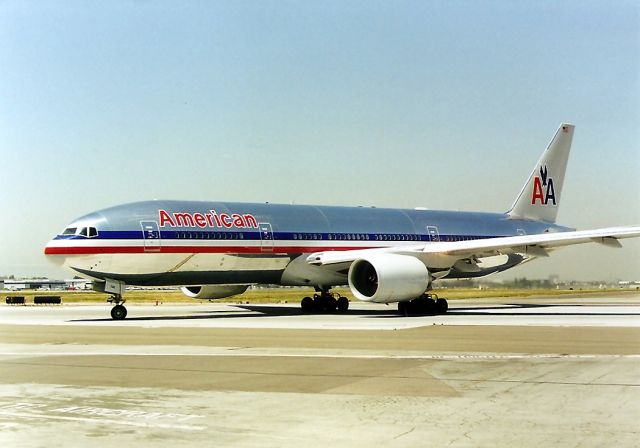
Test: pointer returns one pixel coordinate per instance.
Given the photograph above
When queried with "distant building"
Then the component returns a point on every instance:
(45, 284)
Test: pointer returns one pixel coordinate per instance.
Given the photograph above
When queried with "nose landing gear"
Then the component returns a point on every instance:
(118, 312)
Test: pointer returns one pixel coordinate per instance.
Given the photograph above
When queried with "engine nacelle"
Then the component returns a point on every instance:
(388, 278)
(213, 291)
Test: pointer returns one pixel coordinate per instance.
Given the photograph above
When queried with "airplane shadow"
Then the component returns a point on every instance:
(391, 312)
(296, 311)
(513, 310)
(254, 311)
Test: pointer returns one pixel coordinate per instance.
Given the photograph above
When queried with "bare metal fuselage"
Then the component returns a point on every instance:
(157, 243)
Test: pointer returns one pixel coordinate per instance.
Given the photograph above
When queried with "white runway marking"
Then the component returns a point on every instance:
(85, 414)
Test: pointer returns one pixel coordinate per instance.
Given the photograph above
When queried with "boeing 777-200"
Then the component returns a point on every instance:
(218, 249)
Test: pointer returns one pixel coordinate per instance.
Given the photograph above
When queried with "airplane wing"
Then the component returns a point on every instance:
(443, 253)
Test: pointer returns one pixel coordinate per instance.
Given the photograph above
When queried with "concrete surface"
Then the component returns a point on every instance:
(177, 376)
(592, 311)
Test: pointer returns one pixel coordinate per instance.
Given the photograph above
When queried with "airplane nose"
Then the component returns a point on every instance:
(52, 254)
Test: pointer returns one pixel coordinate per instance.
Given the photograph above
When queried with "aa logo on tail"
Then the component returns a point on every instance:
(543, 188)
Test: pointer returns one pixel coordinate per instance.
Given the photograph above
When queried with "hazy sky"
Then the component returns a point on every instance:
(443, 104)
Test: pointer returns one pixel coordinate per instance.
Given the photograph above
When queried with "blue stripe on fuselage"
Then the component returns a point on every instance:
(277, 236)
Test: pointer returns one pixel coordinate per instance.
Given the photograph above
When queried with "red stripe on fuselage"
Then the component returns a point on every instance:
(79, 250)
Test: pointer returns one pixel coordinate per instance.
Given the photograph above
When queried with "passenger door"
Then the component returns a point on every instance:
(434, 235)
(266, 235)
(151, 236)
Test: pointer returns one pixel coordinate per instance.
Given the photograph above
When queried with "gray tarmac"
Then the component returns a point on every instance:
(513, 372)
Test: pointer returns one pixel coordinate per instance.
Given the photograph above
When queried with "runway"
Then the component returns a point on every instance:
(521, 372)
(617, 311)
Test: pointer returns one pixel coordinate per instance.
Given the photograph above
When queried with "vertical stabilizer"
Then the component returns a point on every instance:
(540, 196)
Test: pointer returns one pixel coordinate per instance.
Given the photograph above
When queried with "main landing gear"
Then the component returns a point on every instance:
(427, 304)
(325, 301)
(118, 312)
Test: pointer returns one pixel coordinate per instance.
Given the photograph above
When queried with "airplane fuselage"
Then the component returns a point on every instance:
(159, 243)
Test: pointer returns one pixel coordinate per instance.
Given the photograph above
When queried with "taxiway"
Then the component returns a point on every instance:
(522, 372)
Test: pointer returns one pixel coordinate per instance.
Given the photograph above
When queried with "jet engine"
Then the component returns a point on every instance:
(213, 291)
(388, 278)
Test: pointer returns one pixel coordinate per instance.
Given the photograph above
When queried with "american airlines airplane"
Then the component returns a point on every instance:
(218, 249)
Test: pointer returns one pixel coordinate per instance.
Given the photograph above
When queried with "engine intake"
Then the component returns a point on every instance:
(213, 291)
(385, 278)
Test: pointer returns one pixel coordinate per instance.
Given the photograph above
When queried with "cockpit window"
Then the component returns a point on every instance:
(87, 232)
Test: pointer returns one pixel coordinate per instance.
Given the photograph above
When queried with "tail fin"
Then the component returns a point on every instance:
(540, 196)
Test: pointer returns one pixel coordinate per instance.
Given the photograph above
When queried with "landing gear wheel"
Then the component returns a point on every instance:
(319, 304)
(307, 304)
(442, 306)
(403, 308)
(424, 305)
(118, 312)
(330, 304)
(342, 304)
(428, 306)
